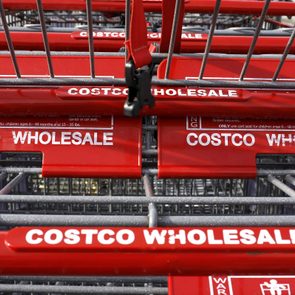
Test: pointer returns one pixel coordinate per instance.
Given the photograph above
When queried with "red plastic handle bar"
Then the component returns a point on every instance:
(113, 41)
(199, 6)
(117, 251)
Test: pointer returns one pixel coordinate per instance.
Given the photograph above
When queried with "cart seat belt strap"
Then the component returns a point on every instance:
(168, 8)
(138, 69)
(137, 45)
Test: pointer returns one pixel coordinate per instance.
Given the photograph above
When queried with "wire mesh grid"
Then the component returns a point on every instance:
(83, 285)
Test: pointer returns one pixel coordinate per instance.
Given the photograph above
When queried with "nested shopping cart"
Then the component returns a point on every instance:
(173, 158)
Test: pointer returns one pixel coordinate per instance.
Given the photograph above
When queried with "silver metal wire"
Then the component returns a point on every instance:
(153, 214)
(290, 179)
(284, 56)
(283, 187)
(282, 85)
(176, 19)
(9, 40)
(255, 38)
(90, 37)
(127, 25)
(14, 182)
(45, 37)
(210, 38)
(81, 289)
(133, 221)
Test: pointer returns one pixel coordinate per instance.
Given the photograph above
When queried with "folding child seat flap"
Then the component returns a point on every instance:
(256, 101)
(64, 65)
(218, 148)
(77, 146)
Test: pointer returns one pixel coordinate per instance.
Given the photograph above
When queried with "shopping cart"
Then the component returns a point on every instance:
(197, 199)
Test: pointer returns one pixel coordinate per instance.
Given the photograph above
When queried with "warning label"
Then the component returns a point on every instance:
(258, 285)
(212, 132)
(215, 124)
(78, 123)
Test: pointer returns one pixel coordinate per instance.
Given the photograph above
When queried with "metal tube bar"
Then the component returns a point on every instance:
(71, 220)
(150, 153)
(284, 56)
(127, 25)
(90, 37)
(61, 81)
(45, 37)
(20, 170)
(210, 38)
(206, 200)
(251, 220)
(147, 186)
(106, 220)
(153, 213)
(256, 35)
(150, 128)
(9, 41)
(280, 185)
(2, 175)
(290, 180)
(81, 289)
(36, 82)
(97, 279)
(173, 36)
(158, 57)
(149, 171)
(224, 83)
(260, 172)
(14, 182)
